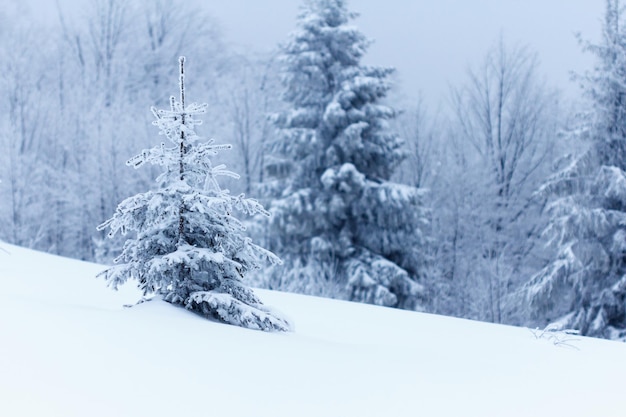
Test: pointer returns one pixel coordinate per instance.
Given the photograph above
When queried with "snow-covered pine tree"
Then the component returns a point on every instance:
(342, 227)
(584, 286)
(189, 247)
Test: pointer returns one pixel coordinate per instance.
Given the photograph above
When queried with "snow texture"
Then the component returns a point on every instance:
(69, 349)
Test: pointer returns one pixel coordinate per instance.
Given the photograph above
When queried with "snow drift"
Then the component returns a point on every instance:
(68, 348)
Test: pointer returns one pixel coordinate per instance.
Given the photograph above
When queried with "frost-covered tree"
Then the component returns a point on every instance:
(343, 228)
(189, 247)
(584, 287)
(504, 122)
(64, 97)
(249, 94)
(25, 116)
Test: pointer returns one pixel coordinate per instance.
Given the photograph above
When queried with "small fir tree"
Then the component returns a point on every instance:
(343, 228)
(189, 247)
(584, 285)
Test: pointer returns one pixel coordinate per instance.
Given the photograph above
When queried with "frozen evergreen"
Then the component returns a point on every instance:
(584, 286)
(188, 245)
(342, 227)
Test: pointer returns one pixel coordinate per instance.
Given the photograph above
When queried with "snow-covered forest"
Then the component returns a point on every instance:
(506, 205)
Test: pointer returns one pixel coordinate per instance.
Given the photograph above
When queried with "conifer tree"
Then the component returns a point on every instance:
(189, 247)
(343, 228)
(584, 286)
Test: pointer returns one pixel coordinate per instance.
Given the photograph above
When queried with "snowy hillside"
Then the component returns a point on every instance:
(69, 348)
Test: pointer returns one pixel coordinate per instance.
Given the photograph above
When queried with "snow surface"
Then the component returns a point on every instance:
(68, 348)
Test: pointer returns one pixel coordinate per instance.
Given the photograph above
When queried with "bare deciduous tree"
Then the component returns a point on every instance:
(505, 126)
(503, 112)
(421, 133)
(250, 98)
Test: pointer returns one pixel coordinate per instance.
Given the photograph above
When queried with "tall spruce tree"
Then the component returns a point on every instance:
(342, 227)
(189, 247)
(584, 286)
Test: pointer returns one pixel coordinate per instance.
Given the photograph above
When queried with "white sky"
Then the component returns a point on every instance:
(430, 42)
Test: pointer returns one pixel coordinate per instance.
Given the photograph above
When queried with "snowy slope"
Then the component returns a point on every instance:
(68, 348)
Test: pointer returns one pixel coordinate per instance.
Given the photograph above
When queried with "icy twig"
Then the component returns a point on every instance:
(558, 337)
(141, 301)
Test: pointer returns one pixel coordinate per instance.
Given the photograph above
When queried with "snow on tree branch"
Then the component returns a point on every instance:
(188, 246)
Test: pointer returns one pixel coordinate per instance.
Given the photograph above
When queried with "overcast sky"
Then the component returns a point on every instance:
(430, 42)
